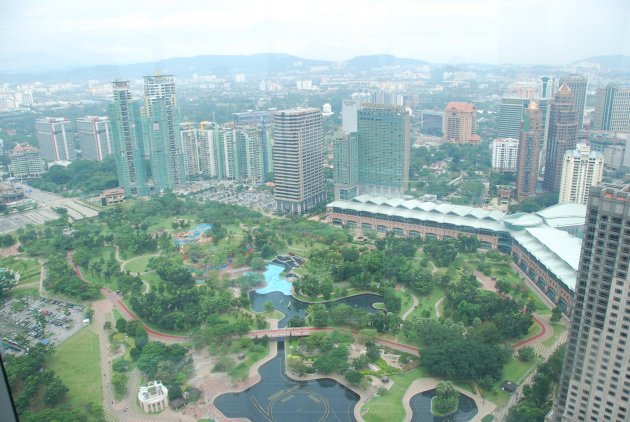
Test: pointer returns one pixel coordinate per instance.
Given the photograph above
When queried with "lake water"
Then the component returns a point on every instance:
(280, 399)
(421, 406)
(275, 282)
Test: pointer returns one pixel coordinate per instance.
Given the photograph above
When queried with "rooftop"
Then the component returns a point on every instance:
(465, 107)
(538, 233)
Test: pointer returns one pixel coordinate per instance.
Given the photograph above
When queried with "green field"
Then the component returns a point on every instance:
(390, 407)
(29, 269)
(513, 371)
(138, 265)
(428, 303)
(77, 362)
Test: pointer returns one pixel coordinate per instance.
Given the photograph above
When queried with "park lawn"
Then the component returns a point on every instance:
(29, 269)
(77, 362)
(390, 406)
(27, 291)
(138, 265)
(152, 278)
(558, 329)
(466, 385)
(117, 315)
(514, 370)
(406, 302)
(428, 303)
(241, 371)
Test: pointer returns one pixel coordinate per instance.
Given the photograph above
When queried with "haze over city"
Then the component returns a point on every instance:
(40, 36)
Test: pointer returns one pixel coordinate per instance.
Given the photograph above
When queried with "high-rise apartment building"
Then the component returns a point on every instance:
(55, 139)
(349, 115)
(581, 169)
(510, 117)
(612, 112)
(191, 150)
(529, 152)
(127, 137)
(207, 135)
(298, 159)
(25, 161)
(162, 129)
(545, 87)
(346, 164)
(460, 123)
(383, 149)
(594, 385)
(578, 85)
(95, 139)
(563, 125)
(504, 154)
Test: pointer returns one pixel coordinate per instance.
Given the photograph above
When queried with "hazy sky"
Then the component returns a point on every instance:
(38, 35)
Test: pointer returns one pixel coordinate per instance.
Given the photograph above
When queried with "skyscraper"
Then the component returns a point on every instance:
(510, 117)
(298, 159)
(578, 85)
(162, 129)
(383, 149)
(346, 165)
(94, 134)
(55, 139)
(190, 149)
(612, 111)
(529, 152)
(594, 385)
(562, 136)
(460, 123)
(127, 137)
(208, 132)
(581, 169)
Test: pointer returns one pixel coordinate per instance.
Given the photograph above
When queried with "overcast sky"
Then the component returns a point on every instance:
(39, 35)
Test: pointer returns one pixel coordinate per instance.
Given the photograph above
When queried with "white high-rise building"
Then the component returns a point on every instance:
(95, 138)
(504, 154)
(581, 169)
(298, 159)
(349, 113)
(55, 139)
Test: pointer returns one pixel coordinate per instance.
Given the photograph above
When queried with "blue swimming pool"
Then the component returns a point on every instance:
(275, 282)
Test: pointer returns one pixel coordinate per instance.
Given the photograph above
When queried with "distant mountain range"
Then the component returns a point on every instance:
(255, 64)
(613, 62)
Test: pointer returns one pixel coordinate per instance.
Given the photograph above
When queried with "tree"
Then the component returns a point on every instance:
(268, 306)
(336, 360)
(119, 382)
(297, 365)
(107, 326)
(318, 315)
(296, 321)
(354, 377)
(526, 353)
(373, 352)
(121, 325)
(55, 391)
(447, 398)
(391, 300)
(556, 314)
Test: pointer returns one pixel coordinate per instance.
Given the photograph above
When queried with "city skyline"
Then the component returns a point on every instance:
(486, 31)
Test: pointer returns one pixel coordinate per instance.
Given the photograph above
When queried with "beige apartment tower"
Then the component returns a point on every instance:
(581, 169)
(460, 123)
(529, 152)
(298, 160)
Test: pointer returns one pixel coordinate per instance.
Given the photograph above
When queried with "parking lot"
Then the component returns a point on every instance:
(228, 192)
(28, 320)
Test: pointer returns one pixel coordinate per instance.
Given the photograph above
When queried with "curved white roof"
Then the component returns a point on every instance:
(555, 249)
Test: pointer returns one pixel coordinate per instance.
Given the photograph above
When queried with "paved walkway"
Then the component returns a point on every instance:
(438, 314)
(415, 300)
(421, 385)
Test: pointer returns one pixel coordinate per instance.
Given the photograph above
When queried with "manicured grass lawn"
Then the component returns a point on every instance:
(138, 265)
(29, 269)
(116, 314)
(152, 278)
(406, 301)
(390, 407)
(466, 386)
(558, 329)
(76, 361)
(428, 303)
(513, 371)
(29, 291)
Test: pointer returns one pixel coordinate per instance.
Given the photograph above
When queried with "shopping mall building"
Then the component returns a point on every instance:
(545, 245)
